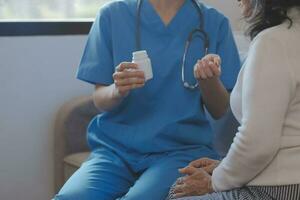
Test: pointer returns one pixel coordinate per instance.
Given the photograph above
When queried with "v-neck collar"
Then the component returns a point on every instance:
(153, 18)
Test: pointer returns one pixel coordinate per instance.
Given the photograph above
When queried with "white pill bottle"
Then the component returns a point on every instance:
(144, 63)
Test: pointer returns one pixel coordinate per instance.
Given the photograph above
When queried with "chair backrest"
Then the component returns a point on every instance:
(71, 123)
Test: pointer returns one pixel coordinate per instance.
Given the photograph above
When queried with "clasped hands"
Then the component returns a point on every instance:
(197, 179)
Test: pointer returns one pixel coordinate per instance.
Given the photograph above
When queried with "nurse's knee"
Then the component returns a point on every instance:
(70, 196)
(82, 195)
(59, 197)
(145, 195)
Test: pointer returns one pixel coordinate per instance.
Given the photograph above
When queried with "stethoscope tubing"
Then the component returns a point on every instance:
(200, 30)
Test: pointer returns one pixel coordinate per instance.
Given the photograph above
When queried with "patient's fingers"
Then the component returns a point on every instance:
(179, 181)
(189, 170)
(178, 195)
(209, 169)
(202, 162)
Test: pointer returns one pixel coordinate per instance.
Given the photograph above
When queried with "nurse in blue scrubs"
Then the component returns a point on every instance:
(147, 130)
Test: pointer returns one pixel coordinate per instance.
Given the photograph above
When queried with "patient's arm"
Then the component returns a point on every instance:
(266, 92)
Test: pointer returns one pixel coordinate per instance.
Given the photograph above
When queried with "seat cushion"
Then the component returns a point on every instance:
(73, 162)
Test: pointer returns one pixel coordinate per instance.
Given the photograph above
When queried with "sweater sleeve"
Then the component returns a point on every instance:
(266, 92)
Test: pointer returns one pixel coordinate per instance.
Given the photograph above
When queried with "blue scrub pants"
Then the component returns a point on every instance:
(108, 176)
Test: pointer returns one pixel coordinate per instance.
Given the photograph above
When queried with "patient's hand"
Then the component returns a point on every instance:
(198, 182)
(206, 164)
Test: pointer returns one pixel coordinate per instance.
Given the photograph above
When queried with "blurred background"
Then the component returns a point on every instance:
(80, 9)
(37, 76)
(48, 9)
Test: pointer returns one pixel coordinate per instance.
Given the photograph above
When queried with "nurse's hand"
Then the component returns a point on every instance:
(208, 67)
(128, 77)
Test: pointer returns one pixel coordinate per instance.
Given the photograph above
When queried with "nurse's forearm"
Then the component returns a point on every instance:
(215, 96)
(106, 97)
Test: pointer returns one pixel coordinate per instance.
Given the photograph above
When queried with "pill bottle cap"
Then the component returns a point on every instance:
(138, 55)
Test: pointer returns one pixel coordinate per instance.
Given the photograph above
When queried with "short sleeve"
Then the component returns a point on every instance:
(227, 50)
(96, 64)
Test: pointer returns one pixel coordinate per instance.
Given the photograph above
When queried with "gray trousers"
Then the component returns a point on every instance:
(213, 196)
(286, 192)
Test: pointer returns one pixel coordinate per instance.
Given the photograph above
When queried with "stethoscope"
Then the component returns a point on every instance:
(200, 30)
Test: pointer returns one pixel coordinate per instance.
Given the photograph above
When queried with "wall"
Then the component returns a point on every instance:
(229, 8)
(36, 77)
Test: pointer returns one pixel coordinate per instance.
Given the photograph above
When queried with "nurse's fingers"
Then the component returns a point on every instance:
(200, 73)
(129, 81)
(196, 73)
(206, 68)
(212, 66)
(128, 74)
(213, 58)
(126, 65)
(210, 69)
(216, 69)
(217, 60)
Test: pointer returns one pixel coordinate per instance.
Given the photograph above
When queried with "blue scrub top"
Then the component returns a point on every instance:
(163, 115)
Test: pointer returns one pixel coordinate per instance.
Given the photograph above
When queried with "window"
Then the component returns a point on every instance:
(47, 17)
(49, 9)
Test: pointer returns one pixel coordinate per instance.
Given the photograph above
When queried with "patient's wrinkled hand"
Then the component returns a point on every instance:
(206, 164)
(198, 182)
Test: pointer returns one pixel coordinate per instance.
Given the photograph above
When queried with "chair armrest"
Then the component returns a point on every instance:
(70, 126)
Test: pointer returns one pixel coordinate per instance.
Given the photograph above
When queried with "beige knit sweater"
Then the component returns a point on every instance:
(266, 102)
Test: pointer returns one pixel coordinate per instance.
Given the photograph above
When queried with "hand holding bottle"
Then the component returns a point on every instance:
(128, 77)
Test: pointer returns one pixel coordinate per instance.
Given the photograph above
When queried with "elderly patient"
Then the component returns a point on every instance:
(264, 159)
